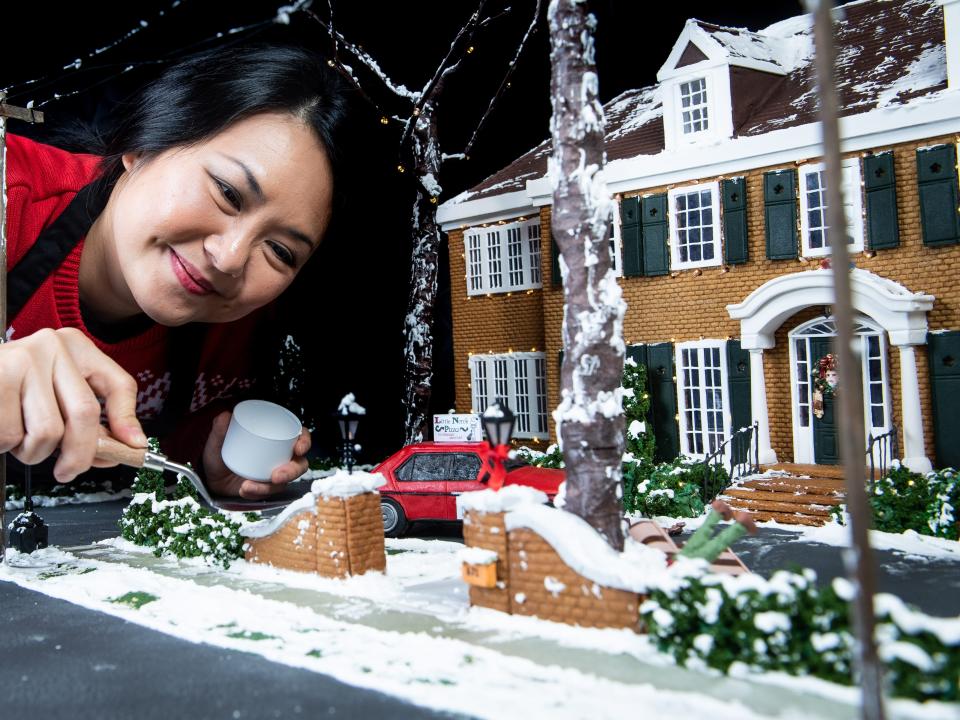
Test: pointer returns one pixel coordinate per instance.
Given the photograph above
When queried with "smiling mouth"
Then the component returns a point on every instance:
(190, 278)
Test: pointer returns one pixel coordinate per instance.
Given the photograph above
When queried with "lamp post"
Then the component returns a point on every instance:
(348, 421)
(498, 421)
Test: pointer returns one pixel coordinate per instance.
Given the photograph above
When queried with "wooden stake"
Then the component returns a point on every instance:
(859, 561)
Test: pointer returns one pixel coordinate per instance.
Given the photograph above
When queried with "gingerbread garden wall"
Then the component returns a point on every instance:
(691, 304)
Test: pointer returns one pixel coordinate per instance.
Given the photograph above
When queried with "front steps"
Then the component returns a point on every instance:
(803, 495)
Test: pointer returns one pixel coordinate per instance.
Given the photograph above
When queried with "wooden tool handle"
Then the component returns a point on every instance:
(111, 449)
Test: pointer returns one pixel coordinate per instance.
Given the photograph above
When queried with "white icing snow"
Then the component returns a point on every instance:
(344, 485)
(478, 556)
(341, 485)
(267, 526)
(585, 550)
(506, 498)
(349, 403)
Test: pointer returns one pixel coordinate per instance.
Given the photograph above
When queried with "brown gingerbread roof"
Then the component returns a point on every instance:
(888, 53)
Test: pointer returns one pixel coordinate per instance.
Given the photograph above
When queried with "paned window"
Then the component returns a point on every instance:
(815, 230)
(702, 392)
(695, 227)
(503, 258)
(519, 378)
(694, 116)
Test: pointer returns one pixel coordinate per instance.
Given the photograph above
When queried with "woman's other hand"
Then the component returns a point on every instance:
(222, 481)
(50, 382)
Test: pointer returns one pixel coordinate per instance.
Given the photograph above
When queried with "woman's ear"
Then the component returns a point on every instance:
(130, 159)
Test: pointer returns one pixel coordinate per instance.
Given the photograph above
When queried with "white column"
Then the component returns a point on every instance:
(758, 406)
(914, 454)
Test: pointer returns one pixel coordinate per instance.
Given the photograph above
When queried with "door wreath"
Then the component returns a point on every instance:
(824, 382)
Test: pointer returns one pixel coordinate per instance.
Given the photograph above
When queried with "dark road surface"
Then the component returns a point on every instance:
(60, 660)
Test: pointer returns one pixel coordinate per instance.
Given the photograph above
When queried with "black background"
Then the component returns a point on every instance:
(348, 316)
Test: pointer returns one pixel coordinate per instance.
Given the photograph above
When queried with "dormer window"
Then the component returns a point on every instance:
(693, 104)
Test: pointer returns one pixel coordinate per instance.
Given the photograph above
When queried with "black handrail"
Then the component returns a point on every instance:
(889, 450)
(742, 444)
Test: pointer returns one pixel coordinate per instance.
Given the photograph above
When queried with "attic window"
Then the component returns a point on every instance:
(693, 104)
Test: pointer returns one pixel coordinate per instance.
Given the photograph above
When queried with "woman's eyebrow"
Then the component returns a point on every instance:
(258, 193)
(251, 180)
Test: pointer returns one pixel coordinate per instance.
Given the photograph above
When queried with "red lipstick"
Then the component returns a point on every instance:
(191, 278)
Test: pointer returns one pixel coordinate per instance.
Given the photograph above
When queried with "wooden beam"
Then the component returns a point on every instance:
(18, 113)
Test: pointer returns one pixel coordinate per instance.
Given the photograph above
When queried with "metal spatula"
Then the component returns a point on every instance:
(113, 450)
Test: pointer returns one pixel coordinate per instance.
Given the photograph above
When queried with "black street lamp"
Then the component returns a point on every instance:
(348, 421)
(28, 531)
(498, 421)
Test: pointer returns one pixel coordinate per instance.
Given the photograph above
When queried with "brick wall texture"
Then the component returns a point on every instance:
(344, 537)
(532, 579)
(691, 304)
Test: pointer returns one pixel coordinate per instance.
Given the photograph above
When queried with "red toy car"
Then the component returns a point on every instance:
(424, 479)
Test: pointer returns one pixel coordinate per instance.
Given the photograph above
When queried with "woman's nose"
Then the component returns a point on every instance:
(228, 252)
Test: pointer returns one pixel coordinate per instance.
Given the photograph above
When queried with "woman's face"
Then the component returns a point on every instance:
(213, 231)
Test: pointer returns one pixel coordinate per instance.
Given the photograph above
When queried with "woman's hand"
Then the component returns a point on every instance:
(49, 385)
(222, 481)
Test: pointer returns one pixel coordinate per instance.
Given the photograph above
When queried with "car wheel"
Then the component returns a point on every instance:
(394, 521)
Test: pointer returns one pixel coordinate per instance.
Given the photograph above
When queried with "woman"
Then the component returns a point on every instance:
(139, 274)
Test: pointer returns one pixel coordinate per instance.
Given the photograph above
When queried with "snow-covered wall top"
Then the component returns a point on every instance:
(344, 485)
(506, 498)
(585, 551)
(339, 485)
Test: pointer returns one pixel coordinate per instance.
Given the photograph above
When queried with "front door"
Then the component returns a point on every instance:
(826, 447)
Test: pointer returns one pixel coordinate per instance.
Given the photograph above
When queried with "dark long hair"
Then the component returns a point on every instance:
(204, 94)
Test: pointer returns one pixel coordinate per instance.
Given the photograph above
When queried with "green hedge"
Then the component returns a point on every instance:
(927, 504)
(788, 624)
(181, 526)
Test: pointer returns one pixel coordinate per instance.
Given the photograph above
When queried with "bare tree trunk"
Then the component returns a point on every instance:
(418, 324)
(860, 560)
(590, 420)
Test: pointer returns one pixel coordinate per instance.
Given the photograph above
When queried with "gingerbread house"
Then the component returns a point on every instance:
(721, 248)
(334, 530)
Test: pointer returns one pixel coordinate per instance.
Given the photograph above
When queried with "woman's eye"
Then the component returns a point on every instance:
(282, 253)
(229, 194)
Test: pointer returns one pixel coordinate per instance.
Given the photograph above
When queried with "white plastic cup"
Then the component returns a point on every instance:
(259, 439)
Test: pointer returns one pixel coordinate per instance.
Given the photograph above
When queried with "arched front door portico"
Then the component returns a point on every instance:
(895, 310)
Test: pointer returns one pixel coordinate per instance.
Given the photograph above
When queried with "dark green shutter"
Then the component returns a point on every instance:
(663, 400)
(878, 179)
(937, 181)
(653, 218)
(555, 274)
(780, 213)
(738, 387)
(735, 249)
(630, 237)
(944, 349)
(637, 353)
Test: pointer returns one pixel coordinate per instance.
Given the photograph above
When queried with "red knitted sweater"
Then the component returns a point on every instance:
(41, 182)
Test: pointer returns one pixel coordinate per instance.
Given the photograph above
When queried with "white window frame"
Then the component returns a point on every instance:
(532, 413)
(675, 262)
(704, 107)
(490, 271)
(616, 242)
(682, 405)
(853, 205)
